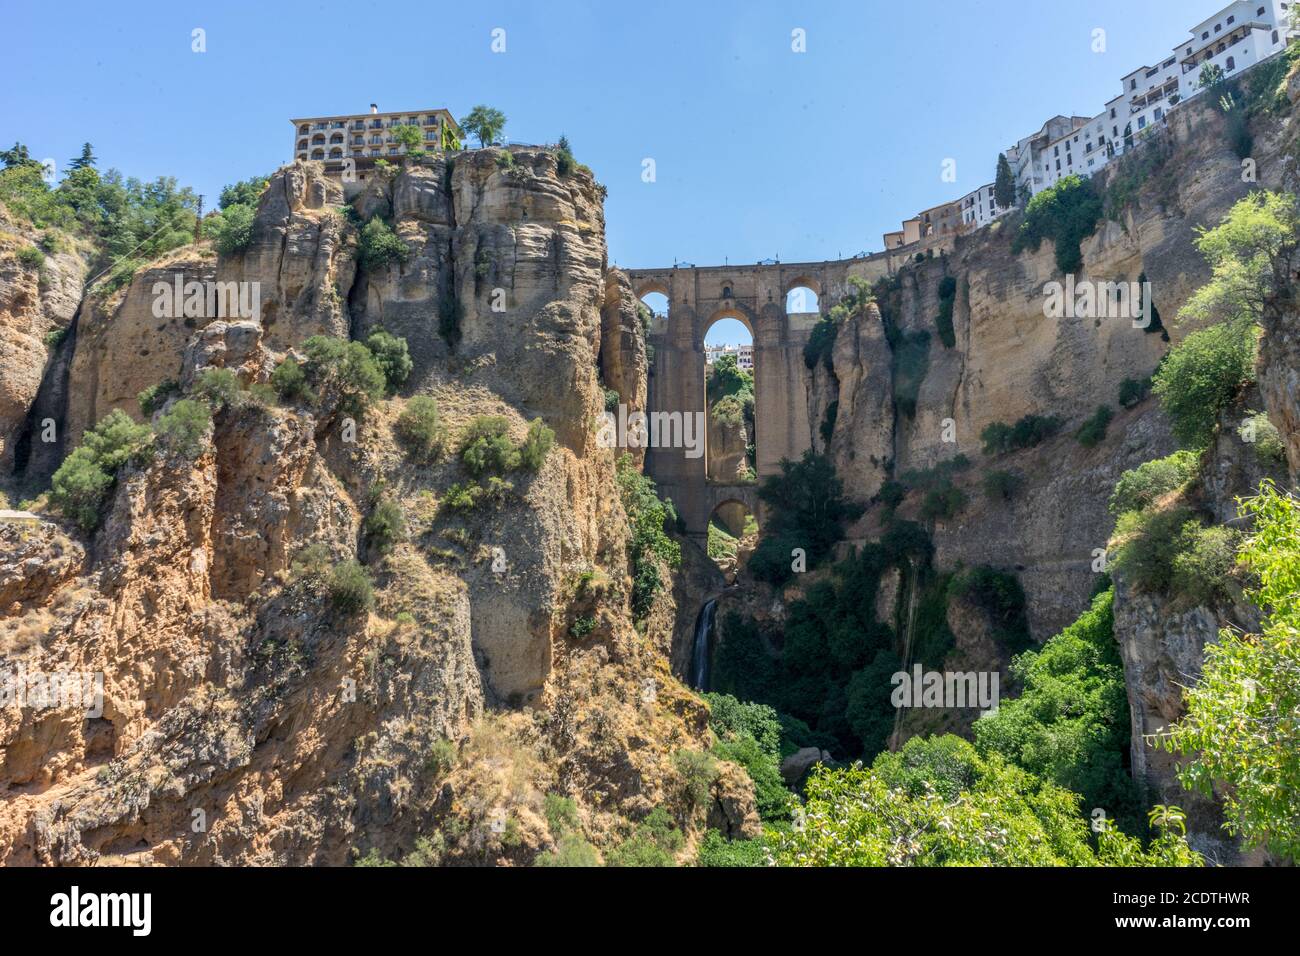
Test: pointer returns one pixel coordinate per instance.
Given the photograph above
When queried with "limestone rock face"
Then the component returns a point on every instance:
(862, 441)
(300, 257)
(232, 679)
(34, 302)
(1279, 380)
(624, 365)
(733, 811)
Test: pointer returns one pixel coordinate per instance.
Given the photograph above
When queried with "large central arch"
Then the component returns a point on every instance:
(755, 295)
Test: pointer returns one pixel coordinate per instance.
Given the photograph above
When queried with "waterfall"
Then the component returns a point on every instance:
(701, 651)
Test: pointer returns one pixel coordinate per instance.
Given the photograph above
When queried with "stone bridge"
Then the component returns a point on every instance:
(755, 295)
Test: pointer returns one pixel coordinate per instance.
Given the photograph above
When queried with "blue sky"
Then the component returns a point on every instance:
(759, 151)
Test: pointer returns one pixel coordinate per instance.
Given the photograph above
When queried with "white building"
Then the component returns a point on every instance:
(979, 208)
(744, 355)
(1029, 158)
(1081, 152)
(1237, 37)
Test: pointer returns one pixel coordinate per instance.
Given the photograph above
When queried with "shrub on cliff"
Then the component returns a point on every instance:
(393, 358)
(82, 483)
(341, 372)
(419, 428)
(943, 322)
(232, 229)
(184, 427)
(1002, 485)
(1000, 438)
(349, 587)
(649, 518)
(808, 511)
(1091, 432)
(536, 445)
(1234, 738)
(1000, 596)
(486, 447)
(385, 526)
(379, 247)
(155, 396)
(1070, 724)
(1139, 487)
(1067, 213)
(1202, 375)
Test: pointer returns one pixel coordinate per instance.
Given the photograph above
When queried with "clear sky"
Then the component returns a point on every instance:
(759, 151)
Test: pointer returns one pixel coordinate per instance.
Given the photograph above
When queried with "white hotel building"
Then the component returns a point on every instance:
(1238, 36)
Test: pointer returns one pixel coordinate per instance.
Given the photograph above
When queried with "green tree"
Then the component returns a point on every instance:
(379, 246)
(184, 427)
(232, 231)
(1202, 375)
(393, 358)
(408, 136)
(85, 160)
(246, 192)
(419, 428)
(1067, 213)
(81, 485)
(18, 156)
(1241, 729)
(1004, 185)
(484, 123)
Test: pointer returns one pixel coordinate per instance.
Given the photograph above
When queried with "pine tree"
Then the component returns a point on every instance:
(87, 158)
(1004, 187)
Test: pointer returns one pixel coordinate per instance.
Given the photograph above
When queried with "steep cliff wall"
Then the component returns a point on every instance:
(233, 692)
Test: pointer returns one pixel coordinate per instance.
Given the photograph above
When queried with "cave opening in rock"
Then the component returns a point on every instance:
(733, 534)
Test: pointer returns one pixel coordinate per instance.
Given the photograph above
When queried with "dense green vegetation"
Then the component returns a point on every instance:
(1000, 438)
(1092, 431)
(808, 512)
(943, 321)
(420, 430)
(1240, 731)
(1070, 724)
(1066, 213)
(649, 517)
(82, 483)
(1253, 254)
(938, 802)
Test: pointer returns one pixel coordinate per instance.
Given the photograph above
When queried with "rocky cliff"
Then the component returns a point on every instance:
(246, 721)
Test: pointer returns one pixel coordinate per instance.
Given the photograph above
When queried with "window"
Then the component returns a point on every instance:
(1274, 36)
(1112, 112)
(1231, 20)
(1142, 122)
(1259, 12)
(1133, 84)
(1205, 35)
(1160, 112)
(1232, 64)
(1218, 28)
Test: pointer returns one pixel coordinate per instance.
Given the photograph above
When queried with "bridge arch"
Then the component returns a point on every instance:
(643, 289)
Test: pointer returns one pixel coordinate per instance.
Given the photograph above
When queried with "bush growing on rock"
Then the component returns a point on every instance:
(419, 428)
(1139, 487)
(184, 427)
(1003, 485)
(1201, 376)
(81, 484)
(536, 445)
(486, 447)
(349, 587)
(393, 358)
(380, 247)
(343, 371)
(155, 396)
(385, 526)
(232, 229)
(1091, 432)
